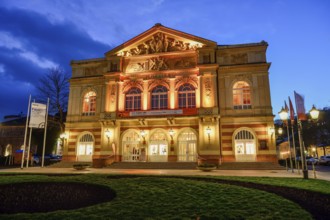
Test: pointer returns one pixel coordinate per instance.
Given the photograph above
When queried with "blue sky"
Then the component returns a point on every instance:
(36, 35)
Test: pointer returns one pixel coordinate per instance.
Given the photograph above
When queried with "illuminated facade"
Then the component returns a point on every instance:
(166, 95)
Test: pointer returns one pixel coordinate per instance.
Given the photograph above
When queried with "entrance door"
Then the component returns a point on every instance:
(85, 148)
(158, 151)
(245, 147)
(85, 152)
(245, 151)
(132, 149)
(187, 147)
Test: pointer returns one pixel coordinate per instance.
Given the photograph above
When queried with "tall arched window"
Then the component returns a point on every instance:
(241, 95)
(89, 104)
(159, 98)
(187, 98)
(133, 99)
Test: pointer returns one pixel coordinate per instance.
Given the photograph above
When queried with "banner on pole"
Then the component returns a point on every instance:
(291, 110)
(38, 114)
(300, 106)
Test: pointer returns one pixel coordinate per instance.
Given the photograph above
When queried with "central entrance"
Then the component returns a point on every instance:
(187, 147)
(158, 147)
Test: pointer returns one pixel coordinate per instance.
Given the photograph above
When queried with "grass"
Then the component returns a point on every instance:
(165, 198)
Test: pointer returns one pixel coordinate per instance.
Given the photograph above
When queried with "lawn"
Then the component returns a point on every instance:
(173, 198)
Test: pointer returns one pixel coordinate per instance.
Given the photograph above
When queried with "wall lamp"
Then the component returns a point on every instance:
(108, 134)
(171, 132)
(208, 132)
(143, 134)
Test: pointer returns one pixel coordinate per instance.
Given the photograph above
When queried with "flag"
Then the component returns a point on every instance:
(300, 106)
(291, 110)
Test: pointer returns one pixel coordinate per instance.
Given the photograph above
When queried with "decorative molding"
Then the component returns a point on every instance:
(159, 43)
(186, 79)
(155, 82)
(132, 83)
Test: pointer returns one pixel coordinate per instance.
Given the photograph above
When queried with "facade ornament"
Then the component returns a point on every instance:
(207, 87)
(159, 43)
(186, 79)
(132, 83)
(160, 81)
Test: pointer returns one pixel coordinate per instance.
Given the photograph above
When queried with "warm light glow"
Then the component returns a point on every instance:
(314, 113)
(271, 130)
(108, 133)
(283, 114)
(280, 131)
(143, 133)
(208, 131)
(313, 149)
(64, 135)
(171, 132)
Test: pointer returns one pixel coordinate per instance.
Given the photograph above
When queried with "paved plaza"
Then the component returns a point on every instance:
(256, 173)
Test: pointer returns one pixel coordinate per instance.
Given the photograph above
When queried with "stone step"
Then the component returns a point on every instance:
(154, 165)
(250, 166)
(67, 164)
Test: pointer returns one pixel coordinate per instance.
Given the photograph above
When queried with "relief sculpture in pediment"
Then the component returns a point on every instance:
(159, 43)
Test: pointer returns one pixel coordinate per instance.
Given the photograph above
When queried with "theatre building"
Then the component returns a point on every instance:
(169, 96)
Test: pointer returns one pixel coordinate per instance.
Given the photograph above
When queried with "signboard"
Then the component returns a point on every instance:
(37, 116)
(156, 112)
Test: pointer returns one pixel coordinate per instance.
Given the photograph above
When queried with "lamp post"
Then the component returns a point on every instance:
(284, 117)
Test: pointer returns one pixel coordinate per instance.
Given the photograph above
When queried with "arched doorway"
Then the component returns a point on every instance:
(245, 146)
(85, 148)
(187, 141)
(131, 148)
(158, 147)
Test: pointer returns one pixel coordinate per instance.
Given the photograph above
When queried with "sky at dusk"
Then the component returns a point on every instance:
(36, 35)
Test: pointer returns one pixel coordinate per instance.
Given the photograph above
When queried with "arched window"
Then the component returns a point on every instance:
(133, 100)
(187, 98)
(241, 95)
(159, 98)
(89, 105)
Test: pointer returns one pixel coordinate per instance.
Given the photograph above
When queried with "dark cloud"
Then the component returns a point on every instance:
(55, 42)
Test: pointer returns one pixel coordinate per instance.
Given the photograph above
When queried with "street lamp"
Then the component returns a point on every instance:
(314, 113)
(280, 131)
(284, 117)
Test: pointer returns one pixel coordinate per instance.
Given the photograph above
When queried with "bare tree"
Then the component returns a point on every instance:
(55, 86)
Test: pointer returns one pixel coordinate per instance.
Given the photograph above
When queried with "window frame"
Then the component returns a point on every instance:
(89, 103)
(159, 98)
(186, 95)
(242, 95)
(130, 98)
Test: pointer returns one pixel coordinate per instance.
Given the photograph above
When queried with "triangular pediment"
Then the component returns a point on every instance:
(160, 39)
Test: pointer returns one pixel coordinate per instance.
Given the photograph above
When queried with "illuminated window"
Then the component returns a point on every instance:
(159, 98)
(89, 105)
(133, 100)
(241, 95)
(187, 97)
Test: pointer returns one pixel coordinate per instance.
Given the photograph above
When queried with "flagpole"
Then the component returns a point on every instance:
(26, 127)
(302, 152)
(44, 144)
(287, 129)
(28, 152)
(294, 147)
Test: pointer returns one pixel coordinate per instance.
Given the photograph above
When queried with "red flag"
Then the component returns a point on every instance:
(291, 110)
(300, 106)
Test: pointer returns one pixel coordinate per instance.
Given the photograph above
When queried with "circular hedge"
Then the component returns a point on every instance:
(31, 197)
